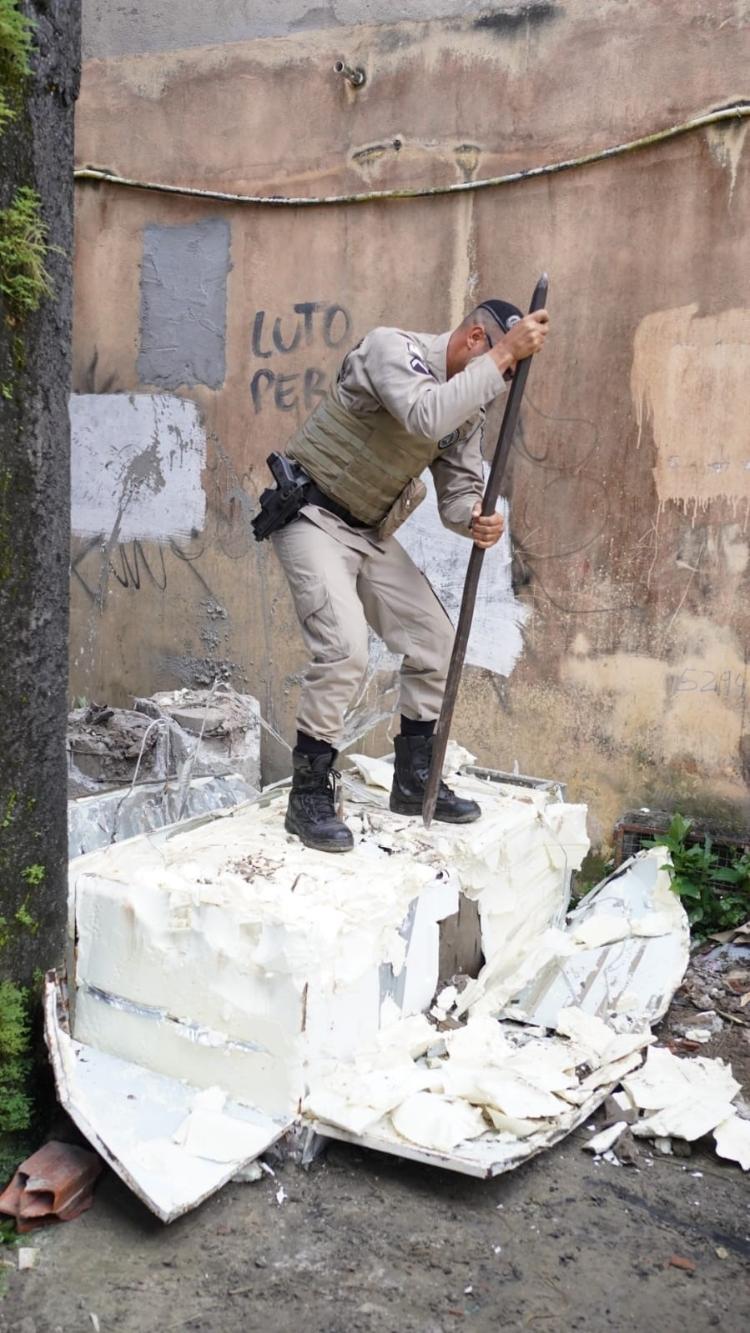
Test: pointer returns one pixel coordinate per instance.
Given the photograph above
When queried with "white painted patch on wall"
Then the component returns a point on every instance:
(496, 641)
(137, 461)
(690, 382)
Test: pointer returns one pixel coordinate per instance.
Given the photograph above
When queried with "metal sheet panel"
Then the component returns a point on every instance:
(131, 1117)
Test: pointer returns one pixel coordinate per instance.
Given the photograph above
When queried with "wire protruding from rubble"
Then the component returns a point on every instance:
(187, 768)
(157, 722)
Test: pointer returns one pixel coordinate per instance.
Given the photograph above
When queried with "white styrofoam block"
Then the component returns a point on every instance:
(227, 953)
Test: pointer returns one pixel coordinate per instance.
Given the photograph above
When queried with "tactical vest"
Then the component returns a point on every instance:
(363, 462)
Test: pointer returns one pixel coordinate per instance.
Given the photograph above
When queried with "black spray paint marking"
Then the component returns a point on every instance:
(510, 21)
(288, 392)
(308, 323)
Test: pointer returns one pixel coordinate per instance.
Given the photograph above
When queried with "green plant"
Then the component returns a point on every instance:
(33, 874)
(715, 897)
(15, 47)
(15, 1063)
(594, 868)
(26, 920)
(24, 280)
(16, 1102)
(12, 801)
(23, 250)
(14, 1020)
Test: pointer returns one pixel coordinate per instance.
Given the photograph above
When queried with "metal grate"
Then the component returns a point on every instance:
(637, 827)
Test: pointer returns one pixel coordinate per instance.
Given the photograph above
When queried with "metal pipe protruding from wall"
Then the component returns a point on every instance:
(356, 77)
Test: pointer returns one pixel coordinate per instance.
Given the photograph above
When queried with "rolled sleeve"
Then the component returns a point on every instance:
(459, 482)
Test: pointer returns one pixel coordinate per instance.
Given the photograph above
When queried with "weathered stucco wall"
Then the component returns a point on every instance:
(133, 26)
(206, 331)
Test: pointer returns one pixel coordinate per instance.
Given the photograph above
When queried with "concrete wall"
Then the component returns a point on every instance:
(130, 27)
(204, 333)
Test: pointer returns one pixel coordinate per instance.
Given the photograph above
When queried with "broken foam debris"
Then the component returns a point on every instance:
(317, 979)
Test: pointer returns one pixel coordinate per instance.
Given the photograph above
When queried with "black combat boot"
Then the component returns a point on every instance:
(311, 812)
(413, 755)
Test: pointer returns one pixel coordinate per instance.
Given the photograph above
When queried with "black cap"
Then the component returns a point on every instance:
(505, 313)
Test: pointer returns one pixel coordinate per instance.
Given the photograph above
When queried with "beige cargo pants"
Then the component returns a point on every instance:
(341, 582)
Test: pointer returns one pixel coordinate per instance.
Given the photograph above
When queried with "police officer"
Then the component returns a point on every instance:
(401, 402)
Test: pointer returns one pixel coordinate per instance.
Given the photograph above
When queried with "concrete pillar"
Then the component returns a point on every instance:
(36, 185)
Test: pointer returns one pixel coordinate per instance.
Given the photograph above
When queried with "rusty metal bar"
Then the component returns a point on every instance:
(492, 491)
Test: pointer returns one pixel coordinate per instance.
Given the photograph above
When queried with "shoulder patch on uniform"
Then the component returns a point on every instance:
(416, 359)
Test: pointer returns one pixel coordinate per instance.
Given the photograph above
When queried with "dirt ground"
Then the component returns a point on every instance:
(365, 1243)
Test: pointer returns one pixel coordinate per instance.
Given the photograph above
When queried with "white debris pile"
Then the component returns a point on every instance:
(479, 1078)
(236, 973)
(550, 1030)
(673, 1097)
(228, 953)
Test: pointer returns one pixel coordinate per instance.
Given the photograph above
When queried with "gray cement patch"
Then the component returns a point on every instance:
(184, 304)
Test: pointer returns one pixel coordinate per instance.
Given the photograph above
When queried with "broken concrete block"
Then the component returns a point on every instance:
(215, 731)
(169, 771)
(196, 720)
(106, 746)
(226, 723)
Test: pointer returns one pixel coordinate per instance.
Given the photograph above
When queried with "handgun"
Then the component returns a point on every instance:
(281, 503)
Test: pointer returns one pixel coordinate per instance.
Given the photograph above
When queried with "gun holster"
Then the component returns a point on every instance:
(282, 502)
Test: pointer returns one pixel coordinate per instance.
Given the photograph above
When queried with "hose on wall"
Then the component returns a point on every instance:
(736, 112)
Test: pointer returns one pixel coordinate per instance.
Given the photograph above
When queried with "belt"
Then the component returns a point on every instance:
(315, 496)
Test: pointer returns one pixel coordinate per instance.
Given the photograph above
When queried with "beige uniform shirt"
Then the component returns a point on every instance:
(405, 373)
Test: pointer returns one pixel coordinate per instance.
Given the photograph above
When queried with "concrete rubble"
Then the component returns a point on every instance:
(229, 987)
(175, 755)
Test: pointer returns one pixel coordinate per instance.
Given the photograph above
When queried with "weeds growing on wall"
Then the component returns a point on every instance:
(716, 897)
(23, 251)
(24, 280)
(16, 1105)
(15, 47)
